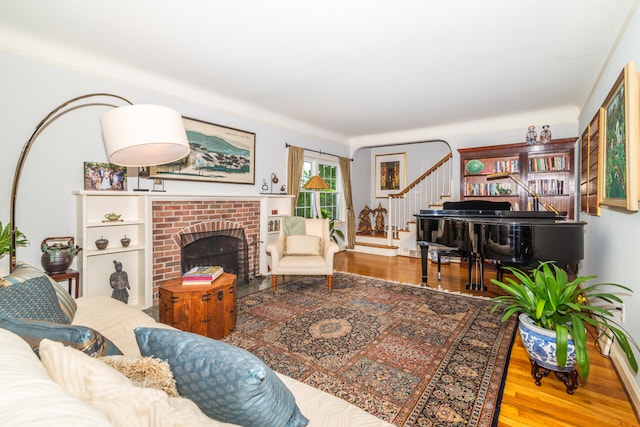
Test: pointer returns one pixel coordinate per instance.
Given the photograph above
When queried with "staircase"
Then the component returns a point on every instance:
(427, 192)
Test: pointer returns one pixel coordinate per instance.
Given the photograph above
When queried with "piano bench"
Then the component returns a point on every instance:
(446, 252)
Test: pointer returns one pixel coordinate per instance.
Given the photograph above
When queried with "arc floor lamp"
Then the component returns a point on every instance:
(133, 134)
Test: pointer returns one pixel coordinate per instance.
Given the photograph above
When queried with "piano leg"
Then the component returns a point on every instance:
(476, 262)
(424, 254)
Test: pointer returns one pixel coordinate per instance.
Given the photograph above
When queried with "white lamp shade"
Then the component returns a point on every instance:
(143, 135)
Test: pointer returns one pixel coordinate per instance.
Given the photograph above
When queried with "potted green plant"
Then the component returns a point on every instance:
(334, 233)
(547, 299)
(5, 239)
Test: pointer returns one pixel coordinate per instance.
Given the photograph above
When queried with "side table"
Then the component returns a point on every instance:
(208, 310)
(69, 275)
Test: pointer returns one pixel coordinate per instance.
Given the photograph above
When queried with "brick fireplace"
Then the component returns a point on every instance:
(170, 218)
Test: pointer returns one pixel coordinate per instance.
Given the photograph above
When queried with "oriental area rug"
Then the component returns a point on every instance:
(407, 354)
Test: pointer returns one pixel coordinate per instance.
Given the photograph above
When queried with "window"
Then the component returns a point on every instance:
(330, 198)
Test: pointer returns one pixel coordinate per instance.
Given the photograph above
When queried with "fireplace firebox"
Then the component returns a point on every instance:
(227, 248)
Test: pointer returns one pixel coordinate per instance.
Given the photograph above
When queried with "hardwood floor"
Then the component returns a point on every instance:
(601, 401)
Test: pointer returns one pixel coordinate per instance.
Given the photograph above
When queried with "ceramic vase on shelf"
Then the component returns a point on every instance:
(545, 135)
(57, 262)
(532, 135)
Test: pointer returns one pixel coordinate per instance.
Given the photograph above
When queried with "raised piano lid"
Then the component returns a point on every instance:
(490, 213)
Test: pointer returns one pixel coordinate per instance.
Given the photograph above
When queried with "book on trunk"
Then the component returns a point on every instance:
(202, 275)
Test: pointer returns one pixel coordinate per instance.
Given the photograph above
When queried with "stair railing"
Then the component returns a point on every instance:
(425, 192)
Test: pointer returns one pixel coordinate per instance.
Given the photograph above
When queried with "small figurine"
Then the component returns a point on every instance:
(365, 220)
(379, 212)
(120, 283)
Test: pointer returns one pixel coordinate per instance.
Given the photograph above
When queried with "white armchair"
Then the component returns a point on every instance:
(303, 249)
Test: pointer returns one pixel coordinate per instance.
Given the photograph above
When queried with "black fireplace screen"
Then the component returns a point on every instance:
(227, 248)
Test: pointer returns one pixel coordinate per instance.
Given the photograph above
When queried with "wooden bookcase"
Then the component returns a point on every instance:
(549, 169)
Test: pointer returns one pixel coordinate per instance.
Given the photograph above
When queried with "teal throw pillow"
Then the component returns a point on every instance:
(228, 383)
(87, 340)
(33, 299)
(24, 271)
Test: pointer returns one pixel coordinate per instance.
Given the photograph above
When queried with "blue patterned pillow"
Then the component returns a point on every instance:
(82, 338)
(24, 271)
(33, 299)
(228, 383)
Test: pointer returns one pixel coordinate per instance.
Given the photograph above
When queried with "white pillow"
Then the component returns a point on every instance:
(111, 393)
(28, 397)
(302, 245)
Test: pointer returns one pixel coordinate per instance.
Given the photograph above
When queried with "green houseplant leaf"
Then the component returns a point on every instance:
(565, 307)
(5, 239)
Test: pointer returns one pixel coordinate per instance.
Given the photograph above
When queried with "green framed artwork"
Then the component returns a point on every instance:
(620, 151)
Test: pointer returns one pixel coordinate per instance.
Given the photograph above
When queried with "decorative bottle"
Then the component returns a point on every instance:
(545, 135)
(531, 135)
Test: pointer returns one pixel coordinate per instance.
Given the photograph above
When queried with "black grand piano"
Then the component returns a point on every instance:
(518, 238)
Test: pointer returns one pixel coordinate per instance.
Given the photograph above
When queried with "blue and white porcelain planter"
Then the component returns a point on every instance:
(541, 345)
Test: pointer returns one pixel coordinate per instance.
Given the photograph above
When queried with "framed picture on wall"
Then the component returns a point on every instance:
(390, 173)
(620, 142)
(218, 154)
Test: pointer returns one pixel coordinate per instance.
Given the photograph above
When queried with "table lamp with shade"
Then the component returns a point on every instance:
(133, 136)
(316, 183)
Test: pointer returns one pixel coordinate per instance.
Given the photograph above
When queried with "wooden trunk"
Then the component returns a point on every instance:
(208, 310)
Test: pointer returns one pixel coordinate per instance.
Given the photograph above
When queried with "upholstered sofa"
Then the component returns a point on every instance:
(67, 387)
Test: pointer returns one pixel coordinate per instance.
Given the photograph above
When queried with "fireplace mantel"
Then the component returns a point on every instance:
(157, 215)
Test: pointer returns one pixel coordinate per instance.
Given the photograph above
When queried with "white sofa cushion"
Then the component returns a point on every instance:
(111, 393)
(115, 320)
(28, 397)
(326, 410)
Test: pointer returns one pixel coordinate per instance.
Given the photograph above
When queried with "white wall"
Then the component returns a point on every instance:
(419, 158)
(54, 167)
(612, 239)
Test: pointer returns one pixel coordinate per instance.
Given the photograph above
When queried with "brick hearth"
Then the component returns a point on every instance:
(173, 217)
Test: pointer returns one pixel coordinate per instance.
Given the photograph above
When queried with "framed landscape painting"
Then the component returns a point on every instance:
(218, 154)
(620, 150)
(390, 173)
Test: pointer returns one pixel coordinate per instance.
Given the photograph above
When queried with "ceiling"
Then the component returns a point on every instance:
(341, 68)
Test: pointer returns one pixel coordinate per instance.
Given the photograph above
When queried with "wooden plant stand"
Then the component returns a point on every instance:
(570, 379)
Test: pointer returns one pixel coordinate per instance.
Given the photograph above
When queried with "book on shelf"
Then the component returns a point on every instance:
(202, 275)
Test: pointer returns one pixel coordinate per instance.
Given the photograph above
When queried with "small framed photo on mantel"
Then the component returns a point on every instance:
(105, 176)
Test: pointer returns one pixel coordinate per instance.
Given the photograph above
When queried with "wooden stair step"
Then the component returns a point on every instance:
(376, 245)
